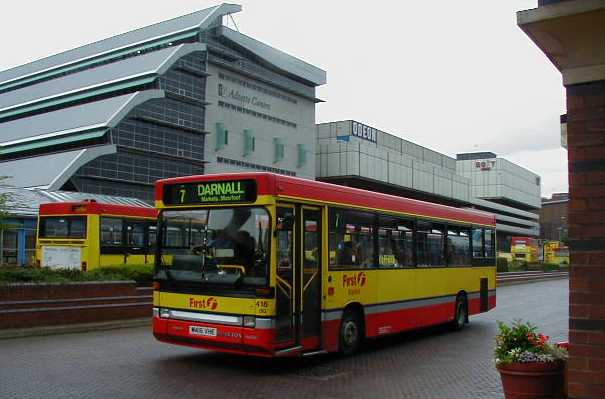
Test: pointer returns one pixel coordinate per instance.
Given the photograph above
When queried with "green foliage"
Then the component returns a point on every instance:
(501, 265)
(520, 342)
(138, 273)
(518, 266)
(548, 267)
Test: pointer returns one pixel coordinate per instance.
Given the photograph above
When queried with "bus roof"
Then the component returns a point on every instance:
(96, 208)
(293, 187)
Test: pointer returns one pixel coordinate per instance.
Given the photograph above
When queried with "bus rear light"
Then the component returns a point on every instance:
(249, 321)
(84, 266)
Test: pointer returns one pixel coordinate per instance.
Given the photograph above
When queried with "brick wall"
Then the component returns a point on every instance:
(47, 304)
(586, 150)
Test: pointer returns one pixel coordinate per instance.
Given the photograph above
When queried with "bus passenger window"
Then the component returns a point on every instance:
(430, 244)
(111, 231)
(395, 242)
(351, 239)
(477, 243)
(458, 247)
(153, 235)
(135, 235)
(489, 243)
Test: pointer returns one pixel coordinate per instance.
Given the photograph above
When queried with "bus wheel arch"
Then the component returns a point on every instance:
(352, 329)
(460, 312)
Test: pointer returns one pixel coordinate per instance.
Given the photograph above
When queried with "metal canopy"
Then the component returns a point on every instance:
(116, 74)
(50, 171)
(277, 58)
(98, 114)
(129, 42)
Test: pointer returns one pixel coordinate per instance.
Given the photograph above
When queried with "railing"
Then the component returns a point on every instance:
(510, 278)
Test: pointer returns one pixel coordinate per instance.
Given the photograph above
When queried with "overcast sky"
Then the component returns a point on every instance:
(455, 76)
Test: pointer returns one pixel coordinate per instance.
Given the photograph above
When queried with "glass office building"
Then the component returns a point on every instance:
(185, 96)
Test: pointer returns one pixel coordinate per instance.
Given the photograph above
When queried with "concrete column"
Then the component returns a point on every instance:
(571, 33)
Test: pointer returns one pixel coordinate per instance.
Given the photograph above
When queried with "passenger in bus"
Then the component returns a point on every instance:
(244, 250)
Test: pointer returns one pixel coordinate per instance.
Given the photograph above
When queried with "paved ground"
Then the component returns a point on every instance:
(128, 363)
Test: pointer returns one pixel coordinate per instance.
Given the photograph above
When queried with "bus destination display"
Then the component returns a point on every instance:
(217, 192)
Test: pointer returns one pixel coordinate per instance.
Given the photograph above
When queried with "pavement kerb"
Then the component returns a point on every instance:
(74, 328)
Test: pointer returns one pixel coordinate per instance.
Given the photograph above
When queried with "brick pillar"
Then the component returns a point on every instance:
(586, 146)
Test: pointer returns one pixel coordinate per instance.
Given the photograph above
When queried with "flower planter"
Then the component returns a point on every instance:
(533, 380)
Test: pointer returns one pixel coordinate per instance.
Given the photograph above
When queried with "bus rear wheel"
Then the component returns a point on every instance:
(461, 315)
(351, 333)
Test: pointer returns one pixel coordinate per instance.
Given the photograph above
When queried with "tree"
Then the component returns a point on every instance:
(4, 203)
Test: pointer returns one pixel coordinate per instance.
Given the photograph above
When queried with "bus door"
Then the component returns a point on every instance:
(310, 262)
(298, 277)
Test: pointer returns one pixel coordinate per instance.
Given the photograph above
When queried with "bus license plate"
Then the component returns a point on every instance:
(205, 331)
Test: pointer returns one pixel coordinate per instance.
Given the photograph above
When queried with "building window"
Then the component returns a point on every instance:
(279, 150)
(249, 142)
(222, 136)
(302, 155)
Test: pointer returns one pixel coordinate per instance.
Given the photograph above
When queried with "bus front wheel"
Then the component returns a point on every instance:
(461, 315)
(351, 333)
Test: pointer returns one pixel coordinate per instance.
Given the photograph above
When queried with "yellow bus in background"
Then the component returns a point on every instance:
(88, 234)
(524, 249)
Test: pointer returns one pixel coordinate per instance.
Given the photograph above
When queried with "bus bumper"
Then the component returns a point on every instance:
(217, 337)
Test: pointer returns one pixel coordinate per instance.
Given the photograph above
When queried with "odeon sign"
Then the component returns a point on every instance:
(364, 132)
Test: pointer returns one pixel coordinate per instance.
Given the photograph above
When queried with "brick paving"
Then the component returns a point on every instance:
(129, 363)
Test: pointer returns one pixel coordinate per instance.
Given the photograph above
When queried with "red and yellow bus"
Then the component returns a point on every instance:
(270, 265)
(88, 234)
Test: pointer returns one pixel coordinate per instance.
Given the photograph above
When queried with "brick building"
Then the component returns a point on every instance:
(554, 217)
(570, 33)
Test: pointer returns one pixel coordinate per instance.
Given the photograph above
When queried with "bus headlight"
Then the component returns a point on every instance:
(165, 313)
(249, 321)
(156, 312)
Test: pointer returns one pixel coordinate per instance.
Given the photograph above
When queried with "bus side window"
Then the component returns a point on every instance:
(458, 246)
(111, 231)
(490, 250)
(152, 235)
(351, 239)
(430, 244)
(135, 235)
(478, 243)
(395, 242)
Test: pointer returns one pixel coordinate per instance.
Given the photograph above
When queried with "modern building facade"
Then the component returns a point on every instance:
(354, 154)
(499, 180)
(554, 218)
(181, 97)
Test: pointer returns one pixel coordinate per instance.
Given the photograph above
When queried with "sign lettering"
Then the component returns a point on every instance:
(210, 192)
(364, 132)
